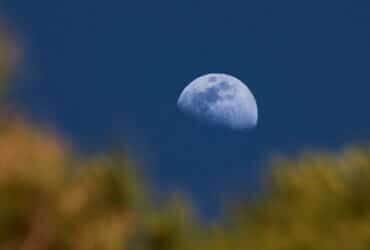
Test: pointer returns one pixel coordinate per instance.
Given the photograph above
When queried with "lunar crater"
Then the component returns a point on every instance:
(205, 99)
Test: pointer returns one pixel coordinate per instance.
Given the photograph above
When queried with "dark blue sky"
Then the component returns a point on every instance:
(108, 71)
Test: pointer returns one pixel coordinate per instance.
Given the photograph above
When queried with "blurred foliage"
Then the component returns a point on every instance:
(53, 199)
(318, 201)
(50, 199)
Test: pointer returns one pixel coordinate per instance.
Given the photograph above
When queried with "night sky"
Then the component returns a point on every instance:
(110, 72)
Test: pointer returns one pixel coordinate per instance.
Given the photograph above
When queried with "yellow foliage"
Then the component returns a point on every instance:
(318, 201)
(48, 200)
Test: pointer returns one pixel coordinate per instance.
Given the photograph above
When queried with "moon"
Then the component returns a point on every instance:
(220, 99)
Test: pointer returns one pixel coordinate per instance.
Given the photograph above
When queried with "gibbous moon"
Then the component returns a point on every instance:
(220, 99)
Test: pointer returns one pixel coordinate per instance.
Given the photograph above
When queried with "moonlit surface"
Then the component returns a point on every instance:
(220, 99)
